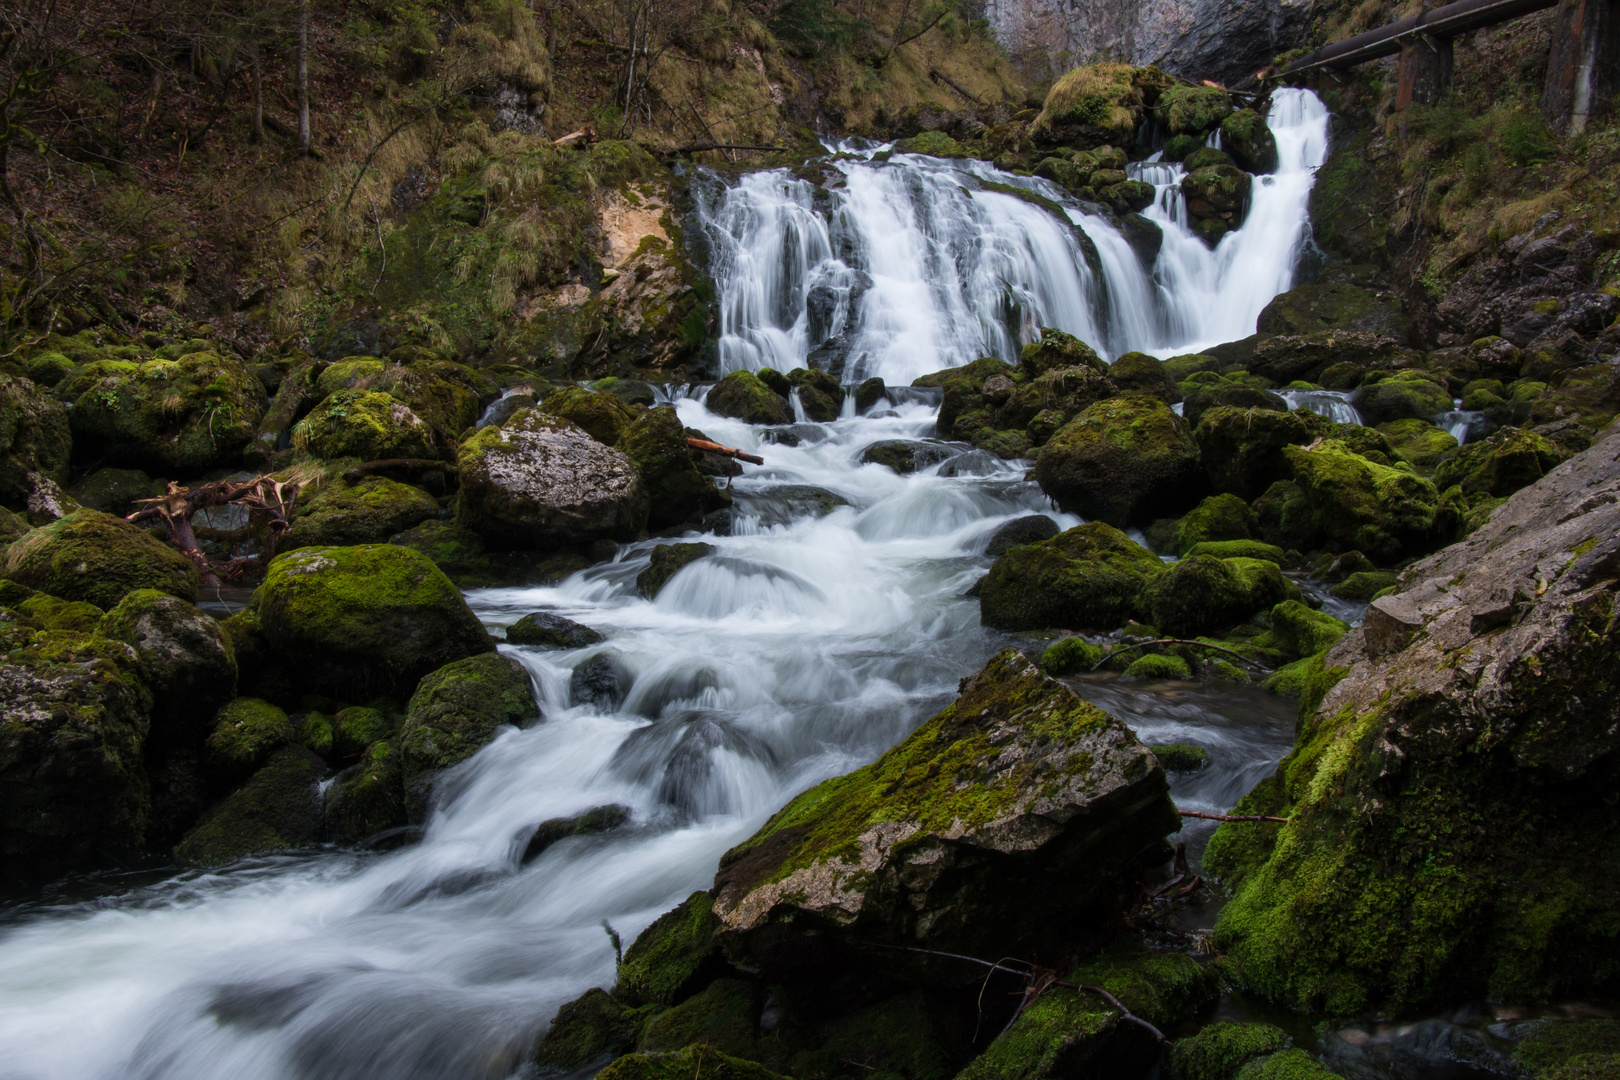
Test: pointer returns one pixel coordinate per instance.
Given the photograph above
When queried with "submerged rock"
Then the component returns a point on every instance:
(590, 823)
(1090, 576)
(667, 561)
(98, 558)
(1020, 531)
(1122, 461)
(1449, 785)
(1009, 817)
(551, 631)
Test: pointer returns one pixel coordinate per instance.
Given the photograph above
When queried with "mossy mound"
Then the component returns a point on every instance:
(1404, 395)
(826, 870)
(364, 424)
(183, 416)
(98, 558)
(1287, 1065)
(455, 711)
(1307, 309)
(1242, 449)
(278, 809)
(667, 561)
(1097, 103)
(1090, 576)
(185, 659)
(1121, 461)
(1055, 349)
(1139, 373)
(694, 1061)
(1071, 656)
(1363, 586)
(725, 1016)
(1419, 442)
(1556, 1045)
(369, 797)
(1201, 594)
(246, 732)
(472, 563)
(1373, 508)
(1299, 631)
(1218, 518)
(677, 492)
(1238, 549)
(1221, 1049)
(673, 957)
(356, 728)
(1158, 666)
(1180, 757)
(1246, 137)
(1502, 464)
(35, 441)
(1284, 518)
(360, 622)
(594, 1027)
(368, 511)
(742, 396)
(601, 415)
(1193, 110)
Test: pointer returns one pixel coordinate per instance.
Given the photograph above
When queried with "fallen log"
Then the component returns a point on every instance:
(362, 471)
(1177, 641)
(716, 448)
(1229, 817)
(702, 147)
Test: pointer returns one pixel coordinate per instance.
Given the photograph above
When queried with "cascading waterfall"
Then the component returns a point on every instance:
(904, 266)
(806, 646)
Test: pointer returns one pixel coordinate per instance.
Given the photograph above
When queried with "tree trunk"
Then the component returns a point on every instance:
(303, 76)
(258, 96)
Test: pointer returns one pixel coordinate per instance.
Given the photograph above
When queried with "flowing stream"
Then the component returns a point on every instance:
(804, 647)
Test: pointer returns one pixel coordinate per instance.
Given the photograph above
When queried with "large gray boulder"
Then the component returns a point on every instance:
(540, 482)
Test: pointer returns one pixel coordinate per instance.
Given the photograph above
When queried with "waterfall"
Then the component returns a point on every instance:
(901, 265)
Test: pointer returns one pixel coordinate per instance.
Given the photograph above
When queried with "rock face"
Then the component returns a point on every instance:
(1122, 460)
(540, 482)
(1451, 824)
(1016, 803)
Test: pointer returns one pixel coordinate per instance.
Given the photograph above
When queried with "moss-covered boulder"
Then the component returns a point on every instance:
(183, 656)
(594, 1027)
(1307, 309)
(1239, 549)
(12, 527)
(1217, 518)
(1286, 1065)
(1057, 349)
(182, 416)
(366, 424)
(1502, 464)
(1299, 631)
(368, 797)
(1193, 110)
(742, 396)
(1201, 594)
(73, 725)
(1404, 395)
(1379, 510)
(694, 1061)
(1419, 442)
(1078, 1033)
(98, 558)
(1449, 835)
(725, 1016)
(1283, 516)
(1217, 191)
(1093, 105)
(1158, 666)
(1218, 1051)
(599, 414)
(115, 491)
(1571, 1049)
(278, 809)
(674, 957)
(457, 710)
(355, 728)
(1241, 450)
(359, 622)
(366, 511)
(551, 632)
(1068, 809)
(1362, 586)
(1311, 357)
(677, 493)
(1245, 136)
(540, 482)
(667, 561)
(1139, 373)
(1090, 576)
(1122, 461)
(245, 733)
(34, 442)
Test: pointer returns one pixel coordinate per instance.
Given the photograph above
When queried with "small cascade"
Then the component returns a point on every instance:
(899, 265)
(1465, 425)
(1333, 404)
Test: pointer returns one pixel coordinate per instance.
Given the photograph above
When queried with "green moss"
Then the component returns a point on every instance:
(1301, 632)
(591, 1028)
(368, 798)
(693, 1062)
(724, 1016)
(1246, 137)
(1500, 465)
(934, 144)
(455, 711)
(677, 492)
(1193, 110)
(1090, 576)
(315, 734)
(51, 613)
(1404, 395)
(1288, 680)
(1381, 511)
(1418, 441)
(1238, 549)
(1217, 518)
(1122, 460)
(1054, 351)
(1362, 587)
(667, 561)
(1288, 1065)
(98, 558)
(1101, 98)
(1181, 757)
(277, 809)
(365, 512)
(247, 732)
(1070, 656)
(1226, 671)
(1554, 1044)
(669, 960)
(1221, 1049)
(1158, 666)
(369, 425)
(602, 416)
(742, 396)
(349, 373)
(355, 728)
(1201, 593)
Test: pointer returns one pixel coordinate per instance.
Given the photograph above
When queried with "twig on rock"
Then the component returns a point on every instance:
(1229, 817)
(1178, 641)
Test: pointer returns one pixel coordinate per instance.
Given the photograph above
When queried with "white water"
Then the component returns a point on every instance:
(804, 648)
(908, 266)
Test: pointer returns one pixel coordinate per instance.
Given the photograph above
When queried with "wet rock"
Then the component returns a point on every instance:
(184, 658)
(601, 681)
(972, 463)
(1480, 693)
(1056, 350)
(592, 1028)
(869, 393)
(1144, 235)
(1402, 395)
(365, 424)
(674, 957)
(115, 491)
(820, 394)
(905, 456)
(468, 561)
(1122, 461)
(368, 798)
(599, 414)
(1372, 508)
(34, 441)
(1218, 518)
(1201, 594)
(699, 1060)
(1181, 757)
(725, 1016)
(948, 833)
(183, 416)
(1241, 450)
(667, 561)
(539, 482)
(601, 819)
(278, 809)
(72, 786)
(368, 511)
(1311, 308)
(742, 396)
(98, 558)
(1362, 587)
(1020, 531)
(1090, 576)
(1218, 191)
(454, 713)
(551, 631)
(1049, 400)
(1505, 462)
(677, 493)
(1139, 373)
(355, 622)
(1246, 137)
(778, 505)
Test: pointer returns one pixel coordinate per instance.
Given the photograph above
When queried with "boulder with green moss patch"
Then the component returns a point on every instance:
(185, 659)
(1286, 1065)
(674, 957)
(677, 493)
(1094, 105)
(98, 558)
(116, 491)
(742, 396)
(1090, 576)
(1246, 137)
(1181, 757)
(358, 622)
(592, 1028)
(367, 511)
(1500, 465)
(1139, 373)
(245, 734)
(599, 414)
(368, 797)
(1241, 450)
(1238, 549)
(1193, 110)
(725, 1016)
(1158, 666)
(34, 442)
(1071, 656)
(1363, 586)
(667, 561)
(1404, 395)
(457, 710)
(1017, 802)
(1299, 631)
(1218, 1051)
(174, 416)
(1122, 461)
(278, 809)
(694, 1061)
(1284, 518)
(1448, 834)
(366, 424)
(1201, 594)
(1055, 350)
(1419, 442)
(1217, 518)
(1306, 309)
(539, 482)
(1370, 507)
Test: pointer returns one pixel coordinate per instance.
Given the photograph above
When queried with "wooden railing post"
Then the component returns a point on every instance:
(1424, 76)
(1583, 68)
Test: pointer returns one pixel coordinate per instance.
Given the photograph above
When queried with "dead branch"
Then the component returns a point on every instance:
(939, 76)
(716, 448)
(1229, 817)
(387, 464)
(1178, 641)
(700, 147)
(583, 133)
(177, 507)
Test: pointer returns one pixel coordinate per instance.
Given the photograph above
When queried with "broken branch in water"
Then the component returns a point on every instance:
(1229, 817)
(716, 448)
(1177, 641)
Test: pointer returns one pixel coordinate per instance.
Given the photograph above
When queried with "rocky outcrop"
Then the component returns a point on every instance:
(1451, 827)
(1016, 803)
